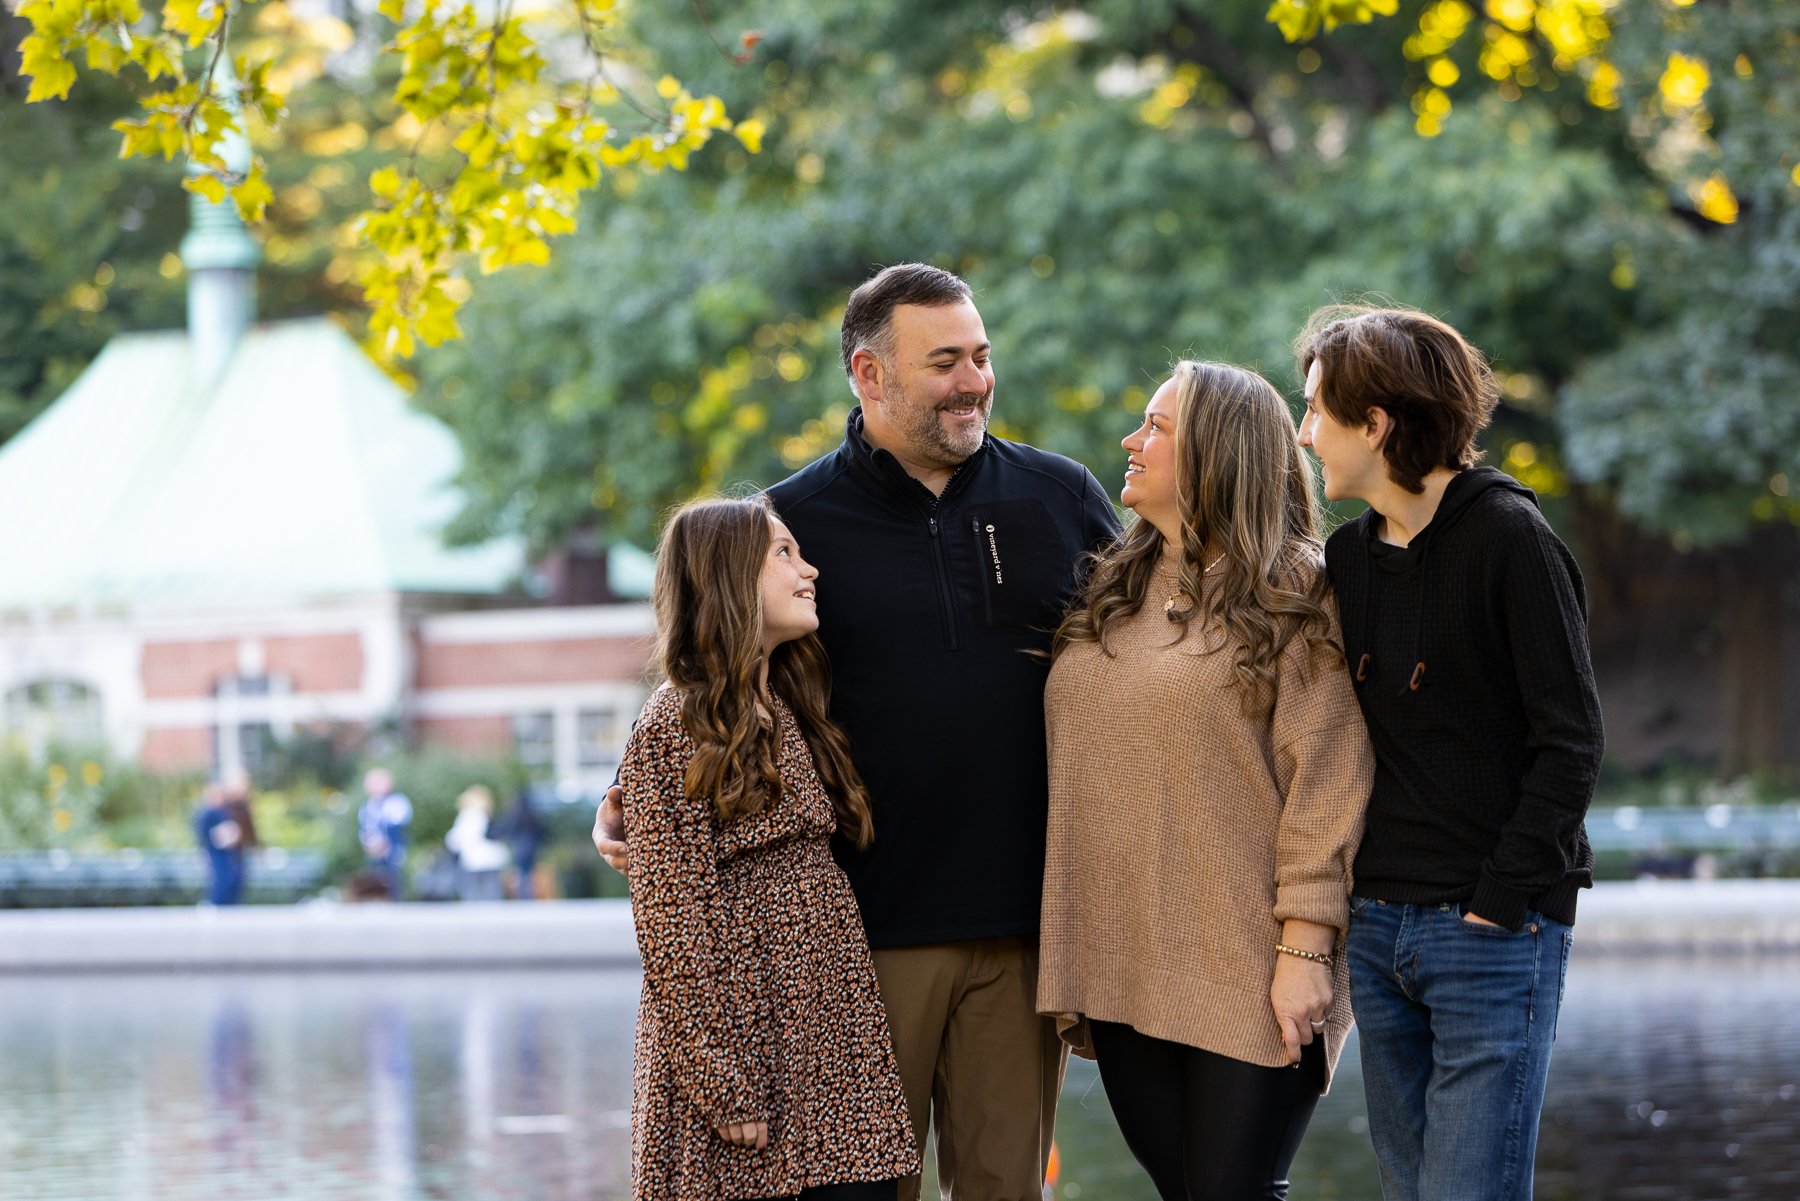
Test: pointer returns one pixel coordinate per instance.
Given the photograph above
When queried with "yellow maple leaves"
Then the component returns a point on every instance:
(1528, 43)
(527, 147)
(1684, 82)
(1299, 20)
(523, 146)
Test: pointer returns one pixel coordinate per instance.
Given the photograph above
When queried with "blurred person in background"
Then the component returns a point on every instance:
(479, 857)
(227, 833)
(383, 822)
(522, 830)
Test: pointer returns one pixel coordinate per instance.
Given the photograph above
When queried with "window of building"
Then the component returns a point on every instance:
(534, 742)
(54, 712)
(599, 739)
(249, 715)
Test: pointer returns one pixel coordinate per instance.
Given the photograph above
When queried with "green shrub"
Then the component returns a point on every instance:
(80, 799)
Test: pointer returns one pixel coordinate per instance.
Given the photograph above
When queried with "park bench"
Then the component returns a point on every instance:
(1743, 840)
(61, 879)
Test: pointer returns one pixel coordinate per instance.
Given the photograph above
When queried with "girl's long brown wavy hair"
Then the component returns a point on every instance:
(709, 622)
(1246, 489)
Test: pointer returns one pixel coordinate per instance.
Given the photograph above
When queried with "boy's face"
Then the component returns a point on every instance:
(1350, 461)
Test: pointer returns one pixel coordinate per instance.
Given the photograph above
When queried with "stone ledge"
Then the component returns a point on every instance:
(319, 935)
(1728, 917)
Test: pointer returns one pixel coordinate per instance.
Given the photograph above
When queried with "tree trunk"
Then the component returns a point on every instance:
(1760, 640)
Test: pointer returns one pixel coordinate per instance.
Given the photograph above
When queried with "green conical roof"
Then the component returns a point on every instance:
(302, 473)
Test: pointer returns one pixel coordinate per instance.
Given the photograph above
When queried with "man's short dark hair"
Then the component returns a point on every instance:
(868, 323)
(1437, 388)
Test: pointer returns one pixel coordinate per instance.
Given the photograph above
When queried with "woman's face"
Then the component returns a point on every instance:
(1152, 490)
(789, 608)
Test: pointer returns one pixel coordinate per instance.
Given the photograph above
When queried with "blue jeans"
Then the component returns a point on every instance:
(1455, 1021)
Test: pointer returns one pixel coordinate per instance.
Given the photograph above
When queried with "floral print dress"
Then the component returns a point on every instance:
(760, 1001)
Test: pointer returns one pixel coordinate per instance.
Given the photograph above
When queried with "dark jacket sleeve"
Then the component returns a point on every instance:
(1100, 521)
(1545, 618)
(680, 920)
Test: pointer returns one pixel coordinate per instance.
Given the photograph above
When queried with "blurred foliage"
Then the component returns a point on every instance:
(505, 117)
(83, 799)
(1122, 188)
(77, 799)
(89, 246)
(82, 242)
(1608, 201)
(1688, 420)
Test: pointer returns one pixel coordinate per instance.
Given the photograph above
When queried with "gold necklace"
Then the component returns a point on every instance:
(1169, 610)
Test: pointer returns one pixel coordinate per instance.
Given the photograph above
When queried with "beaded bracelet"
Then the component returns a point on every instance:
(1313, 956)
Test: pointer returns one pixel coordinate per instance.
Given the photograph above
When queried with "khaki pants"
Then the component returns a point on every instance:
(977, 1062)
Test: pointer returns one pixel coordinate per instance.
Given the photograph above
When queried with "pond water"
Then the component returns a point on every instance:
(1673, 1078)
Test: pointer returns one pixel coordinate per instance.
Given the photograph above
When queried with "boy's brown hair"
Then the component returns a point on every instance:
(1437, 388)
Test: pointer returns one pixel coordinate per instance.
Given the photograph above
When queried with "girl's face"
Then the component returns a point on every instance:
(788, 605)
(1152, 490)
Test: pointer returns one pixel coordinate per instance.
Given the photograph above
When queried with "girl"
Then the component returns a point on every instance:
(763, 1064)
(1208, 776)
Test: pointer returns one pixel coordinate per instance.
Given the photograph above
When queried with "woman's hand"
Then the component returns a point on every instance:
(746, 1134)
(1302, 995)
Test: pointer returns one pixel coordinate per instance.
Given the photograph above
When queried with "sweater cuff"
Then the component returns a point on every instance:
(1499, 904)
(1323, 903)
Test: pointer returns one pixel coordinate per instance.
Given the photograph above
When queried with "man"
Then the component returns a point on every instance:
(1465, 628)
(945, 557)
(382, 823)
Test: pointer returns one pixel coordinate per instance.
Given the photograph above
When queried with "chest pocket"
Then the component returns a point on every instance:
(1024, 565)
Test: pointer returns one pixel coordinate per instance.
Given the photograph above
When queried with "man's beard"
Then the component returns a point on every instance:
(923, 431)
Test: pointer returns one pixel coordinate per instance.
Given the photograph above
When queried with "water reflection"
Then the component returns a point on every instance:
(1673, 1079)
(316, 1087)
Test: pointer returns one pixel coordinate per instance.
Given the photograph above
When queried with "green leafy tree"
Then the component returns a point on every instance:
(1122, 186)
(1118, 193)
(1690, 425)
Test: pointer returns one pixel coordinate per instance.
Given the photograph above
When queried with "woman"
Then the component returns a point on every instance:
(763, 1063)
(1208, 776)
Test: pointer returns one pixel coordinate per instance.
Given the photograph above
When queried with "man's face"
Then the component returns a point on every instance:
(930, 404)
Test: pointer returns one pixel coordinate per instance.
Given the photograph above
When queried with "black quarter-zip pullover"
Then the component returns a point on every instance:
(927, 612)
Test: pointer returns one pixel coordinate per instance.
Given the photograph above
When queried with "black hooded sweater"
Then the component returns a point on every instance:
(1470, 653)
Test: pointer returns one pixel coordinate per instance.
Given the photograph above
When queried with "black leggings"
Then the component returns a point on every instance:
(856, 1190)
(1207, 1127)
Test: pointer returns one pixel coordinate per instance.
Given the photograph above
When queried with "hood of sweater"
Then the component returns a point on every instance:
(1461, 497)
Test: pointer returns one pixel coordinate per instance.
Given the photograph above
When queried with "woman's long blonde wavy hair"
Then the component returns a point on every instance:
(1246, 489)
(709, 622)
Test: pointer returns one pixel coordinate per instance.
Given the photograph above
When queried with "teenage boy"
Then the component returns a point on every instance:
(1465, 629)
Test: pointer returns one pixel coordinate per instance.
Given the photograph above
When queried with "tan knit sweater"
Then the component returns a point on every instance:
(1183, 833)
